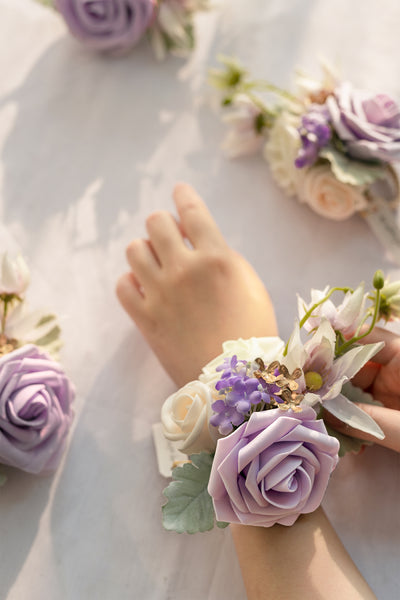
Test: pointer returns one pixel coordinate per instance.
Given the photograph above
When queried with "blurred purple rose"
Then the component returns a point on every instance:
(35, 410)
(273, 468)
(368, 124)
(107, 24)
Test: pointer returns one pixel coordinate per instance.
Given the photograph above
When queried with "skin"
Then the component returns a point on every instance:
(381, 378)
(191, 299)
(187, 292)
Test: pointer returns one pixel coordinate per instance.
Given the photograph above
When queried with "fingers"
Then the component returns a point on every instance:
(196, 221)
(165, 237)
(392, 344)
(130, 294)
(366, 376)
(387, 419)
(143, 262)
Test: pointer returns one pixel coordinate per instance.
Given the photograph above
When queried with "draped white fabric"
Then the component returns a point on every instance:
(89, 145)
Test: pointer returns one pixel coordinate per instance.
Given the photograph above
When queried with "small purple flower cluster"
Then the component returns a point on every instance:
(240, 392)
(315, 133)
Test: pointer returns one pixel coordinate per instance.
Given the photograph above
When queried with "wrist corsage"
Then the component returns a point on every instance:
(253, 424)
(35, 393)
(331, 145)
(118, 25)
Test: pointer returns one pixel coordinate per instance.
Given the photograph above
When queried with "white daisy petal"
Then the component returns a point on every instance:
(348, 412)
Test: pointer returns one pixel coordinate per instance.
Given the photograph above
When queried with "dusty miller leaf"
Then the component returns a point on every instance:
(189, 508)
(351, 171)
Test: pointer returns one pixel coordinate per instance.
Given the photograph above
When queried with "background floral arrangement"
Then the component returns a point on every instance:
(253, 424)
(118, 25)
(35, 393)
(330, 145)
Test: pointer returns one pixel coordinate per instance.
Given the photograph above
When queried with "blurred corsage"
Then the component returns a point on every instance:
(331, 145)
(35, 393)
(118, 25)
(253, 424)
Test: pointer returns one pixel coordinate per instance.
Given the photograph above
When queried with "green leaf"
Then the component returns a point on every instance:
(189, 508)
(45, 319)
(222, 524)
(49, 338)
(351, 171)
(46, 334)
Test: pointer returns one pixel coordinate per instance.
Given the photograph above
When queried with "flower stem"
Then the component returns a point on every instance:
(4, 316)
(310, 311)
(356, 337)
(314, 306)
(269, 87)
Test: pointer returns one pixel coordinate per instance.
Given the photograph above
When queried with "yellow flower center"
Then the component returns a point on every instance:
(314, 381)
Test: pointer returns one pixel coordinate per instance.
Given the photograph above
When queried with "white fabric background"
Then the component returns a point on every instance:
(89, 145)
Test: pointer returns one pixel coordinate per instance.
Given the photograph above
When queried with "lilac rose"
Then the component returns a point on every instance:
(369, 125)
(35, 410)
(107, 24)
(273, 468)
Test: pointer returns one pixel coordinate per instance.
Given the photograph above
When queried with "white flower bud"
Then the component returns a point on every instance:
(14, 275)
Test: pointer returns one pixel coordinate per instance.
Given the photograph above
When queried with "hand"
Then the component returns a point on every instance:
(188, 300)
(381, 378)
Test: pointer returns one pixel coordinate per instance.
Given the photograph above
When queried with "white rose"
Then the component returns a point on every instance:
(14, 275)
(328, 196)
(267, 348)
(185, 417)
(281, 151)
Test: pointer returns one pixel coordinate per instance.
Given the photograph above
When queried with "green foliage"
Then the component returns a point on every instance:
(46, 335)
(222, 524)
(189, 507)
(351, 171)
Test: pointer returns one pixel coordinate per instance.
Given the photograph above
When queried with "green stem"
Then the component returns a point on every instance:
(366, 316)
(270, 87)
(339, 340)
(356, 338)
(314, 306)
(4, 316)
(260, 104)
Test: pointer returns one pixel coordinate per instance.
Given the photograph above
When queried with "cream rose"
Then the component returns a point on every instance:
(328, 196)
(267, 348)
(185, 418)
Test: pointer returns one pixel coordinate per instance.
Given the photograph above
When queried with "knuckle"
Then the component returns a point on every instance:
(216, 261)
(179, 274)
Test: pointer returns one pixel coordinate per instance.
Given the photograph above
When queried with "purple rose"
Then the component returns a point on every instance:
(368, 125)
(107, 24)
(35, 410)
(273, 468)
